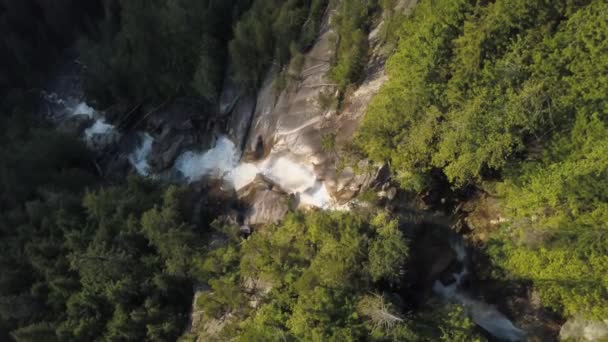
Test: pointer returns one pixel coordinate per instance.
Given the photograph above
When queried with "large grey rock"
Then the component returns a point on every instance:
(294, 117)
(178, 127)
(290, 116)
(580, 329)
(240, 120)
(266, 202)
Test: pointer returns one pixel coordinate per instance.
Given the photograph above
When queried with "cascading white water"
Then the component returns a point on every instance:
(483, 314)
(222, 161)
(100, 127)
(139, 157)
(101, 132)
(82, 108)
(70, 107)
(216, 162)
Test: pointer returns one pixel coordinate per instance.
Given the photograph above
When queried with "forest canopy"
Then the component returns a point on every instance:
(510, 97)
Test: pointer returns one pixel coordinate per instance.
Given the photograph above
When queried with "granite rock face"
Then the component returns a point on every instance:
(293, 112)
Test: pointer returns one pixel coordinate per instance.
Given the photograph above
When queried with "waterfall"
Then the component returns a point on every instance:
(139, 157)
(96, 136)
(222, 161)
(483, 314)
(100, 127)
(82, 108)
(100, 133)
(216, 162)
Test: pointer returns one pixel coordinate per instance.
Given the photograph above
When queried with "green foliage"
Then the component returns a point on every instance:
(270, 31)
(310, 262)
(516, 89)
(172, 237)
(224, 296)
(35, 332)
(560, 210)
(402, 120)
(144, 51)
(392, 22)
(157, 49)
(30, 26)
(446, 322)
(388, 251)
(463, 95)
(312, 276)
(328, 143)
(352, 24)
(456, 325)
(558, 200)
(114, 263)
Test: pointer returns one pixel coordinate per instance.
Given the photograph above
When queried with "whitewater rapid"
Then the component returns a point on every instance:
(139, 157)
(483, 314)
(65, 108)
(222, 162)
(70, 107)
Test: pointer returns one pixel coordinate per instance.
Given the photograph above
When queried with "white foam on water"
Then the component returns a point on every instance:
(71, 106)
(139, 157)
(242, 175)
(216, 162)
(493, 321)
(318, 196)
(222, 161)
(483, 314)
(289, 175)
(53, 98)
(82, 108)
(100, 127)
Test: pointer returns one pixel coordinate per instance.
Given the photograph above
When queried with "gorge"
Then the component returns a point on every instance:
(292, 123)
(306, 170)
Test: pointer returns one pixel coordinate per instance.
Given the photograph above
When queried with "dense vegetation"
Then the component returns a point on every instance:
(31, 26)
(153, 50)
(512, 91)
(321, 277)
(143, 52)
(271, 31)
(81, 259)
(81, 264)
(506, 96)
(149, 51)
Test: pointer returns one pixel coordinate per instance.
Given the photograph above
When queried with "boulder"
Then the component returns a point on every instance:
(389, 193)
(265, 202)
(348, 183)
(580, 329)
(176, 128)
